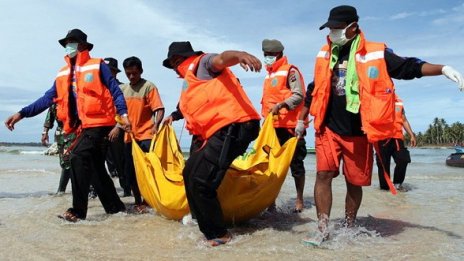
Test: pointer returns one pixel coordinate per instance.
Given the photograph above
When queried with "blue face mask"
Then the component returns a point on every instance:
(71, 49)
(269, 60)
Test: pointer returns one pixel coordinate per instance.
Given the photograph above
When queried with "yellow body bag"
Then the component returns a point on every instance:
(251, 184)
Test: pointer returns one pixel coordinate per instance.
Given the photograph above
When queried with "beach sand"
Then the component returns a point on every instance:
(424, 223)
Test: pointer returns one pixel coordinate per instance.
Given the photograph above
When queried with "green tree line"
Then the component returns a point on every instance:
(440, 133)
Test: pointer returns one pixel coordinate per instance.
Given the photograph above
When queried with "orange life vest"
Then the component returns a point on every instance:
(276, 90)
(95, 105)
(398, 119)
(376, 90)
(209, 105)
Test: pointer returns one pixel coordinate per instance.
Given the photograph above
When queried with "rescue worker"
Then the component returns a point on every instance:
(394, 147)
(63, 142)
(353, 108)
(86, 95)
(283, 93)
(146, 111)
(223, 121)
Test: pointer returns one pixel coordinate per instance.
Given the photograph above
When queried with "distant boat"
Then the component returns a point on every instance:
(311, 150)
(459, 149)
(455, 160)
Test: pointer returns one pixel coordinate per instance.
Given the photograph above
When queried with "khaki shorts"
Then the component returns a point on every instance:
(355, 151)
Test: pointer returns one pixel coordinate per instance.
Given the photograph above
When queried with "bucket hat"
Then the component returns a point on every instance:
(77, 35)
(112, 63)
(183, 49)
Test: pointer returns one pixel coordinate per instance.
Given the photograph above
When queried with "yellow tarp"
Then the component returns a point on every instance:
(254, 179)
(159, 175)
(251, 184)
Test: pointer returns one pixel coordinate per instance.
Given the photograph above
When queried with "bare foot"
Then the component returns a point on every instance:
(220, 240)
(299, 206)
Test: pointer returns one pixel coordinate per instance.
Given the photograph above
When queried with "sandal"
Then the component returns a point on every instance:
(315, 238)
(69, 216)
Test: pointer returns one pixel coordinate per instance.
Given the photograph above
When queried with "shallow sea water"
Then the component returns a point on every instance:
(424, 223)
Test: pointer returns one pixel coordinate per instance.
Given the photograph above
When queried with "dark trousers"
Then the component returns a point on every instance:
(131, 177)
(88, 168)
(204, 171)
(115, 161)
(392, 148)
(297, 164)
(64, 179)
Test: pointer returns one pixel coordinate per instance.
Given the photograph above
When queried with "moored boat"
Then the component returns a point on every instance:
(459, 149)
(455, 160)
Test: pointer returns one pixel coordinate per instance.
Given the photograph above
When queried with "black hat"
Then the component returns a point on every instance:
(77, 35)
(183, 49)
(341, 15)
(112, 63)
(272, 46)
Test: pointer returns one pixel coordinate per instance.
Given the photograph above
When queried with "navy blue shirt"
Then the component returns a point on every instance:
(108, 81)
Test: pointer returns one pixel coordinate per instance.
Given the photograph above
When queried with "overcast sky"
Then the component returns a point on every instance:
(31, 54)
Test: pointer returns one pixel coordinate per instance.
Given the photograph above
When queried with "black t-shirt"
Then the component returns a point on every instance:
(337, 118)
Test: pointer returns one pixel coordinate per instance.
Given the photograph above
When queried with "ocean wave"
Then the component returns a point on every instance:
(31, 152)
(17, 151)
(39, 171)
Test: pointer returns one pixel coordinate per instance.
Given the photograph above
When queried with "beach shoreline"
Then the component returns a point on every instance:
(422, 224)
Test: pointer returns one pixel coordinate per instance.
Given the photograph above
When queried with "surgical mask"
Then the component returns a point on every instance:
(269, 60)
(338, 36)
(71, 49)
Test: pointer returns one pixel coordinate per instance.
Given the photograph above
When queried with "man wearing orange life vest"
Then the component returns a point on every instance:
(86, 95)
(283, 93)
(353, 108)
(394, 147)
(222, 119)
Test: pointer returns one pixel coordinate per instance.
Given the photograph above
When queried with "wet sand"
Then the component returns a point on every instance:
(424, 223)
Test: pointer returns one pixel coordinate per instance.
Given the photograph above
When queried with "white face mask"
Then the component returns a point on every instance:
(338, 36)
(269, 60)
(71, 49)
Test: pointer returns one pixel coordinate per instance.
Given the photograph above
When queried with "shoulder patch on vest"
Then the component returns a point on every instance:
(373, 72)
(88, 77)
(274, 82)
(292, 76)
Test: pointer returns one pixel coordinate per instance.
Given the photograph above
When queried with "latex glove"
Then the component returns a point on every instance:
(453, 75)
(300, 128)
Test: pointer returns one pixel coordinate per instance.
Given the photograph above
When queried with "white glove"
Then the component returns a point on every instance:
(300, 128)
(453, 75)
